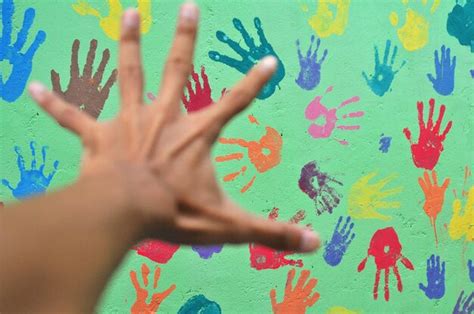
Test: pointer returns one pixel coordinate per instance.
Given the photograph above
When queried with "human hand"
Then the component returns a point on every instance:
(161, 158)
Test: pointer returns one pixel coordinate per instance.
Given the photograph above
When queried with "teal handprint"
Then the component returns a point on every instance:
(251, 56)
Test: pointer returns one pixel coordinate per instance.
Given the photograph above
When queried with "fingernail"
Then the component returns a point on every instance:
(309, 241)
(189, 12)
(131, 19)
(37, 90)
(268, 64)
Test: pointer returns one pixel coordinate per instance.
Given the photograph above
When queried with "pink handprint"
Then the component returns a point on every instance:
(316, 109)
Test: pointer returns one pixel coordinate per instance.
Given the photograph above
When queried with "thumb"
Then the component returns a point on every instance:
(430, 77)
(422, 287)
(273, 298)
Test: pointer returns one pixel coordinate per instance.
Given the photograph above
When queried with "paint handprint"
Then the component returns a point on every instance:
(427, 151)
(206, 251)
(435, 272)
(340, 241)
(12, 87)
(461, 224)
(316, 110)
(85, 91)
(434, 197)
(414, 34)
(251, 56)
(470, 266)
(201, 96)
(141, 304)
(443, 83)
(110, 24)
(318, 185)
(264, 154)
(365, 199)
(310, 68)
(331, 17)
(464, 305)
(262, 257)
(33, 181)
(298, 299)
(157, 251)
(384, 73)
(460, 21)
(384, 142)
(200, 304)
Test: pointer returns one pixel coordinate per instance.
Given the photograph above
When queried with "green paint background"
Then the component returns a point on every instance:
(227, 277)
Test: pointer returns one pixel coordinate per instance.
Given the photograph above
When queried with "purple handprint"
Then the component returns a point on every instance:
(443, 84)
(464, 305)
(206, 251)
(435, 272)
(470, 265)
(340, 241)
(310, 72)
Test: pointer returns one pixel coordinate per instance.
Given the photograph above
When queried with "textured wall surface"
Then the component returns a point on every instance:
(334, 141)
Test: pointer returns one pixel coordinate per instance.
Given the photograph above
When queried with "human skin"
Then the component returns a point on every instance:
(59, 250)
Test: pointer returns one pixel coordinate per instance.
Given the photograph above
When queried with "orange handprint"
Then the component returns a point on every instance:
(295, 301)
(264, 154)
(141, 306)
(434, 197)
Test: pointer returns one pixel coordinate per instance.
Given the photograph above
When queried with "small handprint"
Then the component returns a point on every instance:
(251, 56)
(427, 151)
(158, 251)
(110, 24)
(141, 306)
(461, 222)
(470, 266)
(434, 197)
(445, 67)
(296, 300)
(331, 17)
(262, 257)
(12, 87)
(85, 91)
(316, 110)
(318, 185)
(33, 181)
(206, 251)
(460, 21)
(264, 154)
(384, 73)
(365, 199)
(201, 96)
(310, 68)
(340, 241)
(435, 272)
(464, 305)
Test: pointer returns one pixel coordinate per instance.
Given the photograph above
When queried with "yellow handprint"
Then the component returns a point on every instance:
(111, 24)
(331, 17)
(340, 310)
(366, 199)
(463, 224)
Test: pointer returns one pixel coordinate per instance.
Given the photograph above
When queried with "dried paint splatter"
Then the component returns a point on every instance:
(385, 142)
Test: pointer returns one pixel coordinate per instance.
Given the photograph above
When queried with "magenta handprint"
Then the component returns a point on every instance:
(315, 110)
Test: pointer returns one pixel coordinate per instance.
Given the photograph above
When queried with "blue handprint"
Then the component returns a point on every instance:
(464, 305)
(470, 265)
(384, 74)
(443, 84)
(340, 241)
(251, 56)
(310, 72)
(21, 63)
(206, 251)
(32, 181)
(200, 304)
(435, 276)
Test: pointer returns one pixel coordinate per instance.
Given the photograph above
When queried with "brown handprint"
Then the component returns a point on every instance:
(297, 300)
(264, 154)
(141, 306)
(85, 90)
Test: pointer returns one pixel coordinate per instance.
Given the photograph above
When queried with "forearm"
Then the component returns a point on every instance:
(58, 250)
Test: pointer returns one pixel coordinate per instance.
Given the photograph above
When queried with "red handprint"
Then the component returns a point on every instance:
(426, 152)
(386, 250)
(201, 96)
(158, 251)
(262, 257)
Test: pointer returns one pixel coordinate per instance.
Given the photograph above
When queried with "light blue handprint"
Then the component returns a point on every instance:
(32, 181)
(310, 72)
(12, 87)
(251, 56)
(435, 272)
(445, 67)
(340, 241)
(384, 74)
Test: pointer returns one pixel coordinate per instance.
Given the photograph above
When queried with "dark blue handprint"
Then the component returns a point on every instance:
(200, 304)
(206, 251)
(310, 72)
(251, 56)
(384, 74)
(443, 84)
(32, 181)
(470, 265)
(435, 276)
(21, 63)
(464, 305)
(340, 241)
